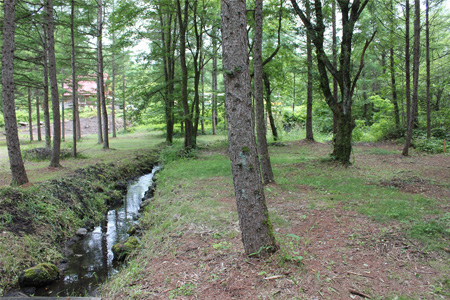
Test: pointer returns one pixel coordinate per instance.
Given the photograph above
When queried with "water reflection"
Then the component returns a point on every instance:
(91, 261)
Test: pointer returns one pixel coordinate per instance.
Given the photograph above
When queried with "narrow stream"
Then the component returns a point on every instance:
(91, 261)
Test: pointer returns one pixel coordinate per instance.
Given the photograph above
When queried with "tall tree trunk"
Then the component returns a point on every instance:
(74, 79)
(19, 175)
(99, 109)
(56, 149)
(266, 80)
(407, 66)
(113, 87)
(427, 33)
(416, 63)
(263, 149)
(334, 50)
(392, 68)
(203, 103)
(101, 78)
(38, 118)
(309, 98)
(189, 140)
(256, 228)
(63, 129)
(124, 109)
(30, 115)
(45, 103)
(214, 84)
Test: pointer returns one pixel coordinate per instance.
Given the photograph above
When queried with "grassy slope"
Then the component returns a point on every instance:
(195, 198)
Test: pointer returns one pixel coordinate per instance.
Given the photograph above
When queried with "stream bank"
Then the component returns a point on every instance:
(36, 221)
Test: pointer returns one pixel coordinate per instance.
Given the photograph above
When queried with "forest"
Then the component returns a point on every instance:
(260, 102)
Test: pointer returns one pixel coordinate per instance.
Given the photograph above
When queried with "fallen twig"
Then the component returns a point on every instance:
(358, 294)
(357, 274)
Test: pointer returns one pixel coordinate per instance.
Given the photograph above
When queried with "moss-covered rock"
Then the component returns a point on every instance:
(39, 275)
(123, 249)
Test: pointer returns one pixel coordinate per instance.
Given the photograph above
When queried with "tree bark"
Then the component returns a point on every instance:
(101, 78)
(427, 33)
(407, 67)
(214, 84)
(63, 129)
(99, 109)
(392, 68)
(263, 149)
(30, 115)
(19, 175)
(189, 140)
(266, 80)
(113, 90)
(309, 98)
(45, 106)
(256, 228)
(74, 79)
(56, 149)
(416, 63)
(38, 118)
(334, 51)
(124, 109)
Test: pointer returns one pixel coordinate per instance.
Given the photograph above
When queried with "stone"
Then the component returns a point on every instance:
(39, 275)
(81, 232)
(123, 249)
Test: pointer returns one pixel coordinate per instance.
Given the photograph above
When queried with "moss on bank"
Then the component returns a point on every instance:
(35, 221)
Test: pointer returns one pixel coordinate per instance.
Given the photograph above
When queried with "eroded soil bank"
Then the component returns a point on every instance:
(36, 220)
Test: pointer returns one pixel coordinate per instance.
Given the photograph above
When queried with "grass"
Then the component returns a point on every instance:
(191, 189)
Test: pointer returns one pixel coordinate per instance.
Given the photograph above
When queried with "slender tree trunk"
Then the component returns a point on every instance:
(427, 33)
(19, 175)
(113, 88)
(101, 78)
(392, 68)
(293, 96)
(266, 80)
(74, 79)
(99, 110)
(189, 141)
(53, 87)
(309, 99)
(45, 105)
(416, 63)
(203, 104)
(124, 109)
(30, 115)
(263, 149)
(63, 129)
(214, 85)
(407, 66)
(38, 117)
(256, 228)
(334, 49)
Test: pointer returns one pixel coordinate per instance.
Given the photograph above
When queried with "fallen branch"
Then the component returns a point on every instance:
(273, 277)
(357, 274)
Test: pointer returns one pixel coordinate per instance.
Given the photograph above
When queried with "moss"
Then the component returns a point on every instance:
(123, 249)
(245, 150)
(39, 275)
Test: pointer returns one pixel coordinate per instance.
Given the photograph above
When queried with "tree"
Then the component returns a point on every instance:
(257, 232)
(416, 63)
(101, 83)
(309, 99)
(263, 151)
(341, 108)
(19, 175)
(56, 149)
(74, 79)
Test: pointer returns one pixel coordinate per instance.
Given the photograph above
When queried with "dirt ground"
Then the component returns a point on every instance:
(345, 255)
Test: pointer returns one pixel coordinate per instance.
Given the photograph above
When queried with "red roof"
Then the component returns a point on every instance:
(87, 85)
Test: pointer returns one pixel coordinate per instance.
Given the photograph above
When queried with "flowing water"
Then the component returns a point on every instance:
(91, 260)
